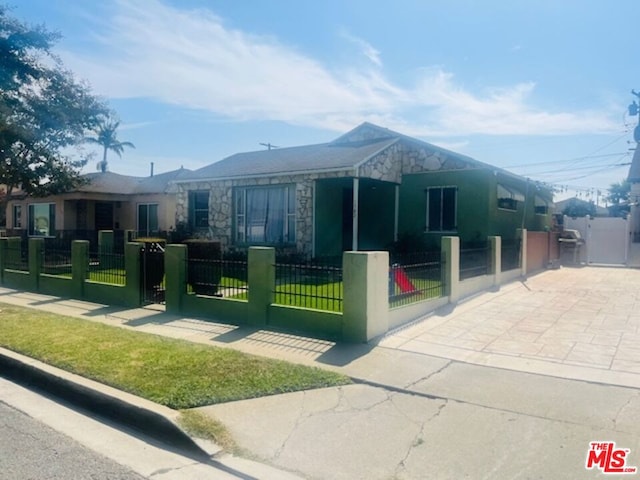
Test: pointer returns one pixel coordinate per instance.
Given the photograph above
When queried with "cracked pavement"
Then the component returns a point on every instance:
(487, 423)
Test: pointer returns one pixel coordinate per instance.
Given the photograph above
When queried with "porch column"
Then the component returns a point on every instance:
(356, 196)
(396, 214)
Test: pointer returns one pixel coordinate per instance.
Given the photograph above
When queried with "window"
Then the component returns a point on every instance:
(147, 218)
(265, 214)
(17, 216)
(442, 209)
(199, 209)
(541, 205)
(508, 197)
(42, 219)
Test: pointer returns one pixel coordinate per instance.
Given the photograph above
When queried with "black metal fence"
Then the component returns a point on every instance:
(56, 256)
(18, 255)
(415, 277)
(218, 277)
(510, 254)
(475, 260)
(107, 268)
(312, 284)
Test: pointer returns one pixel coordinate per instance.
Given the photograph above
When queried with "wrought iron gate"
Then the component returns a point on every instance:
(152, 272)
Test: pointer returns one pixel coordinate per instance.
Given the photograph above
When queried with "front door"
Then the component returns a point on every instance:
(104, 216)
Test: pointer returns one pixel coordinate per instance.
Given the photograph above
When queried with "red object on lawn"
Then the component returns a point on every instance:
(403, 281)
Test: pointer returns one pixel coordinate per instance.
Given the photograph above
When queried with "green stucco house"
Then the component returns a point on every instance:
(363, 191)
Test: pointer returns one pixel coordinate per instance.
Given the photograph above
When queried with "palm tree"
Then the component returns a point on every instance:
(106, 135)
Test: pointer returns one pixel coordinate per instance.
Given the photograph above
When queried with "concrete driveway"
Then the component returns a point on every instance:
(578, 323)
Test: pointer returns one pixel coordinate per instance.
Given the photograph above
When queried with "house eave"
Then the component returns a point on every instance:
(266, 175)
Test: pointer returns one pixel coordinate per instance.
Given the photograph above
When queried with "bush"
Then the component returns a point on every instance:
(204, 269)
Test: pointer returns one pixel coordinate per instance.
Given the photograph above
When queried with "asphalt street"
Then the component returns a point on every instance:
(43, 439)
(31, 449)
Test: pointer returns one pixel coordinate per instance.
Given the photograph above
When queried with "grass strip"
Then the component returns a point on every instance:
(204, 426)
(175, 373)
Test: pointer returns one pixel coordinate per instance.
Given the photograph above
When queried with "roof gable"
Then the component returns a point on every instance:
(366, 132)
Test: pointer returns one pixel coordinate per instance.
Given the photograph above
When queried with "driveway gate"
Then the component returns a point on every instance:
(607, 239)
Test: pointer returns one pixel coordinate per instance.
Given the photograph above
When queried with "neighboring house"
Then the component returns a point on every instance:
(579, 206)
(362, 191)
(108, 201)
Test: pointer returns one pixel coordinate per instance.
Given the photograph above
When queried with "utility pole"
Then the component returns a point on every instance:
(633, 112)
(269, 145)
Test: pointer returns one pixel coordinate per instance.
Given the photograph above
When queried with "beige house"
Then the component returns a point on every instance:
(108, 201)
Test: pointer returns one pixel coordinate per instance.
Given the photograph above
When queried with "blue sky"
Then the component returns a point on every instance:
(539, 87)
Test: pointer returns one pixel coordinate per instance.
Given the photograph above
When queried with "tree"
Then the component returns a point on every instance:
(619, 198)
(579, 208)
(44, 113)
(107, 137)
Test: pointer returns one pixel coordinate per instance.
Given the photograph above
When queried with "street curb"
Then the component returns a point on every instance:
(153, 420)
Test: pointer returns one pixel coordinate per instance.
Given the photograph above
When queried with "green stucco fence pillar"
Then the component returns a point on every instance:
(133, 287)
(451, 253)
(79, 267)
(262, 282)
(105, 245)
(521, 233)
(365, 278)
(36, 250)
(175, 269)
(495, 244)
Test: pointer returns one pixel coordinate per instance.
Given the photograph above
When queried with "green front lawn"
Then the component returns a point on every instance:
(326, 296)
(175, 373)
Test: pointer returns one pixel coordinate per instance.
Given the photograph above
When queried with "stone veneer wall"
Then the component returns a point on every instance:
(400, 159)
(221, 204)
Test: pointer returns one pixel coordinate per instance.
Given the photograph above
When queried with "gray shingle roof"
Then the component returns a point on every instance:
(109, 182)
(324, 156)
(345, 152)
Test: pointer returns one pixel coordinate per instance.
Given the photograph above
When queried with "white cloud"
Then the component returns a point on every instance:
(192, 59)
(365, 47)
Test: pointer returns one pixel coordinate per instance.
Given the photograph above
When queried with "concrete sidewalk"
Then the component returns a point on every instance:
(509, 384)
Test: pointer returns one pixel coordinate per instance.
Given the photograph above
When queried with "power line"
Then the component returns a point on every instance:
(585, 167)
(566, 160)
